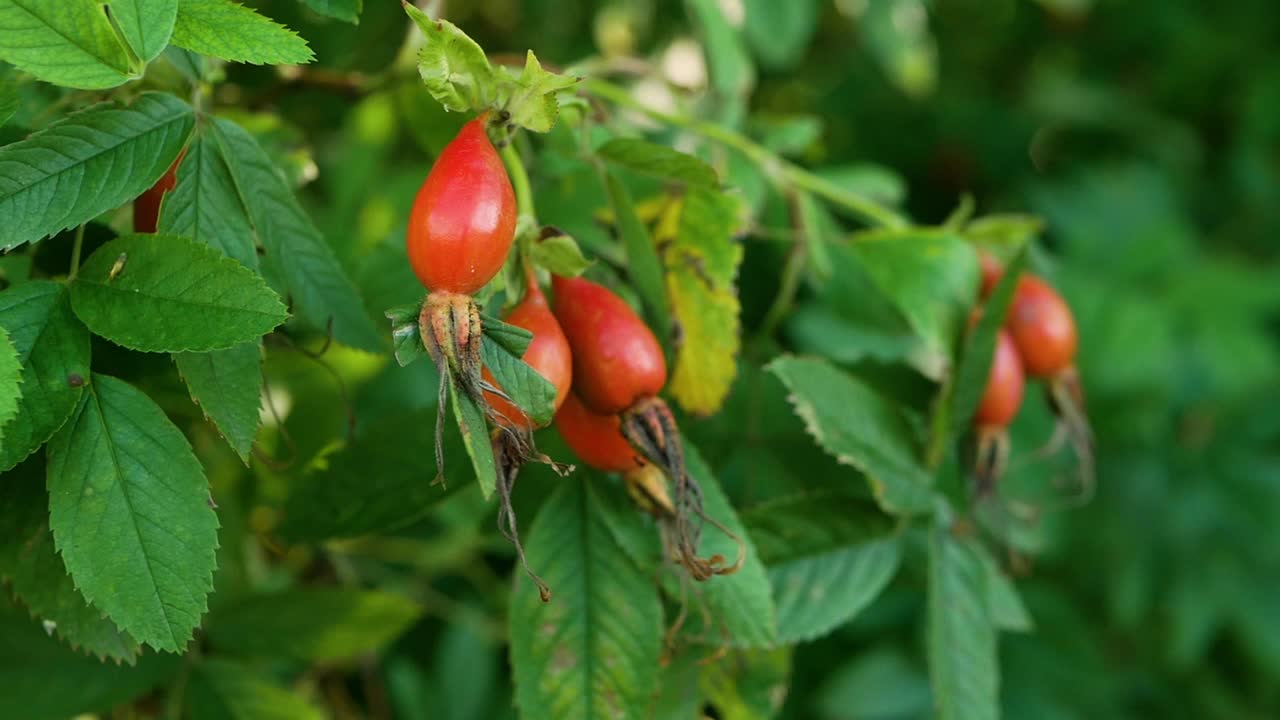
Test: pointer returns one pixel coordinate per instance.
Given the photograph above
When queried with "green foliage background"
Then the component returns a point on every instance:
(1145, 134)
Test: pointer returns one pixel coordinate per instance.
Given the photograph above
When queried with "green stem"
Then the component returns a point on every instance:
(779, 170)
(519, 180)
(786, 296)
(75, 253)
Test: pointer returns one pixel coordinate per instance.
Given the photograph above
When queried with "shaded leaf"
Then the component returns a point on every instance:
(64, 42)
(659, 161)
(860, 429)
(643, 265)
(226, 690)
(528, 390)
(205, 206)
(230, 31)
(91, 162)
(344, 10)
(130, 513)
(962, 640)
(145, 24)
(748, 685)
(879, 684)
(593, 650)
(560, 255)
(732, 74)
(53, 347)
(779, 33)
(10, 380)
(314, 624)
(227, 385)
(896, 32)
(29, 561)
(320, 292)
(164, 293)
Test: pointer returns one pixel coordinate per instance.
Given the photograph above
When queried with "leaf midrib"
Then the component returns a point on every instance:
(107, 63)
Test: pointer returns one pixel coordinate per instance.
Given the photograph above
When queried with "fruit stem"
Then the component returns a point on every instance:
(783, 173)
(519, 182)
(75, 253)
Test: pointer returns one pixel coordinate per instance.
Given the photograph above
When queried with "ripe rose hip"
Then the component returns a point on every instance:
(1042, 328)
(1005, 384)
(464, 217)
(596, 439)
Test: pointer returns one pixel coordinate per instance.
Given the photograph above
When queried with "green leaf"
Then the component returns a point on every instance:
(779, 33)
(644, 267)
(130, 511)
(320, 291)
(53, 347)
(530, 100)
(205, 206)
(878, 684)
(226, 690)
(475, 437)
(741, 603)
(227, 385)
(512, 338)
(64, 42)
(593, 651)
(9, 100)
(1003, 601)
(453, 67)
(396, 459)
(860, 429)
(1004, 232)
(962, 641)
(528, 390)
(932, 277)
(701, 259)
(876, 182)
(344, 10)
(659, 161)
(10, 380)
(732, 74)
(230, 31)
(146, 24)
(559, 254)
(896, 32)
(164, 293)
(45, 680)
(829, 556)
(974, 368)
(91, 162)
(748, 685)
(314, 624)
(30, 563)
(406, 338)
(819, 229)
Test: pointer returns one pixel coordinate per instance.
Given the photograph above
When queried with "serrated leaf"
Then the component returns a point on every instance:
(829, 556)
(227, 385)
(643, 264)
(205, 206)
(974, 367)
(164, 293)
(91, 162)
(453, 67)
(130, 511)
(320, 291)
(531, 99)
(146, 24)
(931, 277)
(475, 438)
(30, 563)
(45, 680)
(344, 10)
(230, 31)
(962, 641)
(53, 347)
(594, 650)
(528, 390)
(226, 690)
(9, 100)
(10, 380)
(742, 603)
(860, 429)
(659, 161)
(512, 338)
(701, 259)
(313, 624)
(64, 42)
(396, 459)
(406, 337)
(560, 255)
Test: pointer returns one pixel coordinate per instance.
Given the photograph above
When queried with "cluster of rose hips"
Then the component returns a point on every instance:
(1039, 341)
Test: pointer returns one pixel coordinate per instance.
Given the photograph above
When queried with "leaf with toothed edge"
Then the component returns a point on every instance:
(527, 389)
(475, 436)
(512, 338)
(230, 31)
(227, 385)
(130, 512)
(10, 380)
(963, 668)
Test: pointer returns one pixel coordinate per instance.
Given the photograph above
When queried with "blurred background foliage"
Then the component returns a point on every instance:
(1146, 134)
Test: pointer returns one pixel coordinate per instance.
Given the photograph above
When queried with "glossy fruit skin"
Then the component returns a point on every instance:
(595, 438)
(1005, 385)
(1042, 328)
(548, 352)
(616, 358)
(464, 217)
(991, 272)
(146, 207)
